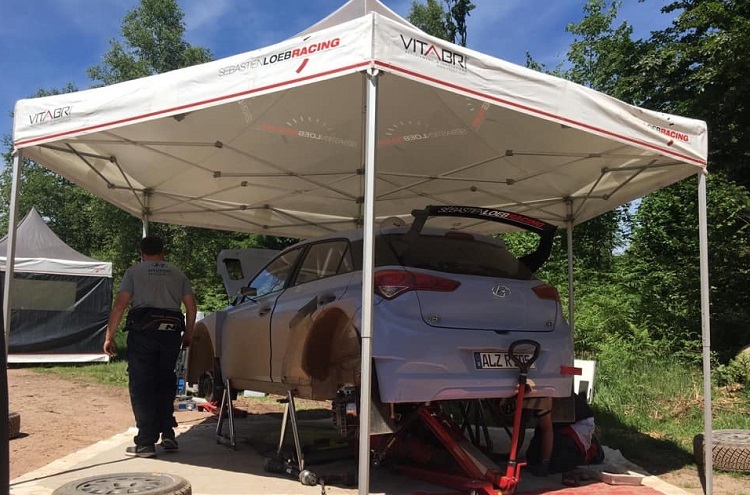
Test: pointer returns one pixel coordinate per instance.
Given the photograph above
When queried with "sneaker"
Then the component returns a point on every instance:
(141, 451)
(169, 444)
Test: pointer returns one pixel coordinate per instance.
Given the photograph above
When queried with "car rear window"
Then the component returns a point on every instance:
(448, 254)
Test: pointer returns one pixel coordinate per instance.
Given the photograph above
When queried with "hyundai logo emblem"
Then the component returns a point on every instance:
(500, 291)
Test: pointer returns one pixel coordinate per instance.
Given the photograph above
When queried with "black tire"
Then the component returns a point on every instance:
(207, 387)
(731, 450)
(211, 385)
(14, 424)
(141, 483)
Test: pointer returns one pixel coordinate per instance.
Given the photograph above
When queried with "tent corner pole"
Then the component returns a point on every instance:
(705, 333)
(146, 211)
(10, 257)
(368, 257)
(569, 233)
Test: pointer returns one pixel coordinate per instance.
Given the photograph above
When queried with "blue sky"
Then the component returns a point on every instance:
(46, 44)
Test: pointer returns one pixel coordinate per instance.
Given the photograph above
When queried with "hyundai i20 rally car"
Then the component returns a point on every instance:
(448, 304)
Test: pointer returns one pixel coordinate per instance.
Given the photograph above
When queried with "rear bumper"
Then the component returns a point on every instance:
(398, 385)
(419, 363)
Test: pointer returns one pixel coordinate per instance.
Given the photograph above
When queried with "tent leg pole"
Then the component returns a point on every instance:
(147, 206)
(11, 249)
(706, 333)
(368, 256)
(571, 299)
(9, 265)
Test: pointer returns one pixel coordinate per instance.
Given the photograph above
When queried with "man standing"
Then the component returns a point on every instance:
(155, 291)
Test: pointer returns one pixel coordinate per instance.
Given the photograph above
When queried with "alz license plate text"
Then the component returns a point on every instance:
(498, 360)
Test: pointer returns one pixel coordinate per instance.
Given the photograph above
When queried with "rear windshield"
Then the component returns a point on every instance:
(457, 255)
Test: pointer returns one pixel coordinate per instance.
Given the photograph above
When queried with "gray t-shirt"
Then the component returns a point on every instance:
(156, 284)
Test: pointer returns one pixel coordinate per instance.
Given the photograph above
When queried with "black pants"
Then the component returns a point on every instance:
(566, 454)
(152, 355)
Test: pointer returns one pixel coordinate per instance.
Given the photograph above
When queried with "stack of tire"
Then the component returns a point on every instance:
(14, 424)
(731, 450)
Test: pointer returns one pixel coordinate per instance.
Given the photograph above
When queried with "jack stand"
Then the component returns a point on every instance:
(295, 465)
(226, 405)
(290, 415)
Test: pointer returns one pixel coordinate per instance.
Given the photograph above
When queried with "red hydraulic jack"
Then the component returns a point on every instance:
(481, 474)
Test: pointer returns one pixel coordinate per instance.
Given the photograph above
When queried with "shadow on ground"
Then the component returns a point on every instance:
(259, 434)
(657, 456)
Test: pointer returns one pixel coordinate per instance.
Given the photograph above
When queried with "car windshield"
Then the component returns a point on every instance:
(458, 254)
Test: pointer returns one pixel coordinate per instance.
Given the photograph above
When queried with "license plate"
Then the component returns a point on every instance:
(498, 360)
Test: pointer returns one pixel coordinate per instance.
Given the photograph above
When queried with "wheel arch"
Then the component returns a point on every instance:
(202, 352)
(332, 352)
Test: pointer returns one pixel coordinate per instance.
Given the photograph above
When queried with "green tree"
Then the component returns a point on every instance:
(152, 43)
(455, 19)
(433, 19)
(698, 67)
(430, 18)
(664, 259)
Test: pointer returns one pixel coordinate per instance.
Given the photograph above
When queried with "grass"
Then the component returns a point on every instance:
(113, 373)
(651, 411)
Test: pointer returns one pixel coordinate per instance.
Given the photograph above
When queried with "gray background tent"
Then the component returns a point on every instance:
(61, 298)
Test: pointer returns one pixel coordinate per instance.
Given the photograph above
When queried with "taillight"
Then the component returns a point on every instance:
(546, 292)
(390, 284)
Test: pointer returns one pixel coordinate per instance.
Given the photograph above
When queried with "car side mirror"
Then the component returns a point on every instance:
(248, 292)
(243, 294)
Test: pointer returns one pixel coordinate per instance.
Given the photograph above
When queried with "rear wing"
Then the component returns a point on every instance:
(533, 260)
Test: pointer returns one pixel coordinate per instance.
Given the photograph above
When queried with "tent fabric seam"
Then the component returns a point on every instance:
(520, 106)
(85, 130)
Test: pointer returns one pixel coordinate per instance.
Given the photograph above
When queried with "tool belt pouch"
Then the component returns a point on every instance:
(140, 319)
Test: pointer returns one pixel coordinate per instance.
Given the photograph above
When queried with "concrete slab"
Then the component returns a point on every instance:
(213, 468)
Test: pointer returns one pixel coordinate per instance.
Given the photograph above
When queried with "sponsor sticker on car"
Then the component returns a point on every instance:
(498, 360)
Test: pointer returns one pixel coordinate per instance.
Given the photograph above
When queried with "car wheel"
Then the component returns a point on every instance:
(14, 424)
(207, 387)
(141, 483)
(211, 385)
(731, 449)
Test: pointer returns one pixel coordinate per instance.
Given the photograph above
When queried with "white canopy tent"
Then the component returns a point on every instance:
(359, 118)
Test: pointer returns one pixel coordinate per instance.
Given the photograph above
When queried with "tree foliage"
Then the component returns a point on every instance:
(152, 43)
(698, 66)
(695, 67)
(433, 19)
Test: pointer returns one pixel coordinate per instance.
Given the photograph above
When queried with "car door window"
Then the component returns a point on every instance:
(325, 259)
(275, 275)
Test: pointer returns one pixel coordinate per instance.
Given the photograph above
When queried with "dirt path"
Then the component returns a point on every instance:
(59, 417)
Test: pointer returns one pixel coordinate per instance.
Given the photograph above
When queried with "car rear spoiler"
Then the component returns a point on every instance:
(533, 260)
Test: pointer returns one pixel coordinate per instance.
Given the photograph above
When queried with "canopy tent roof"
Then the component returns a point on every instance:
(272, 141)
(39, 250)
